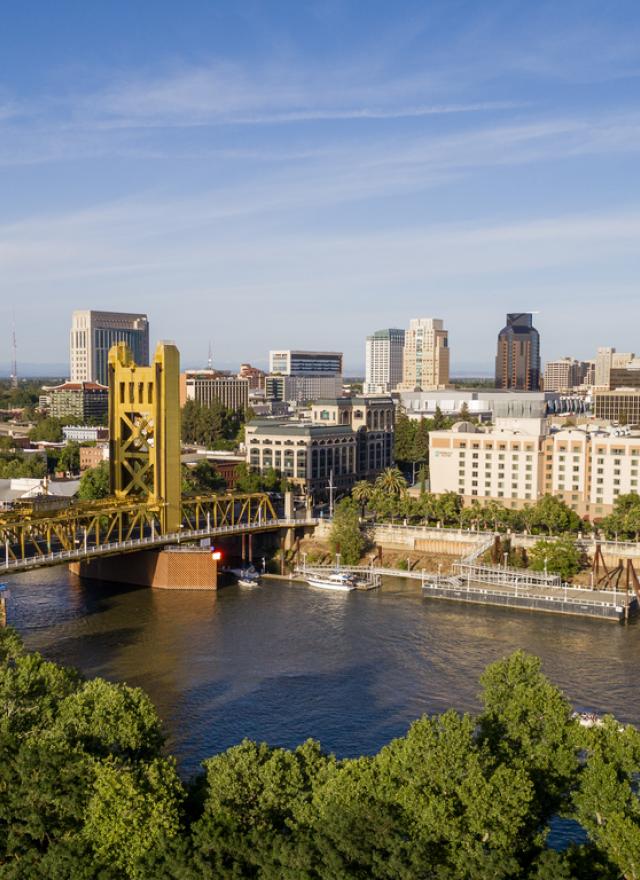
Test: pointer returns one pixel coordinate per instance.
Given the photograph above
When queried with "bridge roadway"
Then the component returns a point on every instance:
(85, 550)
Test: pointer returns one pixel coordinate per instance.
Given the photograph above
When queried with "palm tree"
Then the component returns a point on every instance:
(392, 482)
(362, 493)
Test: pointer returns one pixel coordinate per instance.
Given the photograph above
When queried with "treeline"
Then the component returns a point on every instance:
(25, 396)
(387, 499)
(87, 790)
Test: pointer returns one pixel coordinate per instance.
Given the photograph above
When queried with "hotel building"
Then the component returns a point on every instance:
(519, 461)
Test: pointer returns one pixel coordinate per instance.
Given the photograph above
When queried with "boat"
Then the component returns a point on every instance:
(247, 576)
(337, 581)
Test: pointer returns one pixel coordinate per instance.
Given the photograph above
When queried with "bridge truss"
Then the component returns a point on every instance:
(32, 534)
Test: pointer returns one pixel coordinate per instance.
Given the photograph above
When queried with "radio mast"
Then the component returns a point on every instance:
(14, 354)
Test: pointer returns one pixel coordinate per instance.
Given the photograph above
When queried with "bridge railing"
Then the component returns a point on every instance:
(82, 550)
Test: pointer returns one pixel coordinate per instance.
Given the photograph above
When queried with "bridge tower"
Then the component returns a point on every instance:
(144, 430)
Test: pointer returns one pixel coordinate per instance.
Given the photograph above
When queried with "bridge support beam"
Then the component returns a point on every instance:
(179, 569)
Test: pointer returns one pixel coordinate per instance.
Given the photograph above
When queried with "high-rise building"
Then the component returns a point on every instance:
(93, 334)
(425, 363)
(615, 369)
(383, 370)
(298, 376)
(79, 400)
(518, 357)
(305, 363)
(565, 374)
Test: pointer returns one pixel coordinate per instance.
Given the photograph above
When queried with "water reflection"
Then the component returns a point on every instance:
(283, 662)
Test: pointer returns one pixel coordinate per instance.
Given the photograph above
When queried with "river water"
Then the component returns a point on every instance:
(284, 662)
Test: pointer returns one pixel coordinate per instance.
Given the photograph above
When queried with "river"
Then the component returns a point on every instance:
(284, 662)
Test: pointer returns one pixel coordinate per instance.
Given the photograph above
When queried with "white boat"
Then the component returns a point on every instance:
(246, 577)
(336, 581)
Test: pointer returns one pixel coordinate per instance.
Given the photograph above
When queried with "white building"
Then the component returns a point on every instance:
(85, 433)
(384, 354)
(305, 363)
(93, 334)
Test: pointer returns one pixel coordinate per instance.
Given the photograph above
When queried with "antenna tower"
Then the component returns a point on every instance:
(210, 358)
(14, 355)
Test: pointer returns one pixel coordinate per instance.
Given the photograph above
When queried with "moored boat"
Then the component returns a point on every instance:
(247, 576)
(340, 581)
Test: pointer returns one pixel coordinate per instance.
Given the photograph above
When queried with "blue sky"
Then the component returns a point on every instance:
(298, 174)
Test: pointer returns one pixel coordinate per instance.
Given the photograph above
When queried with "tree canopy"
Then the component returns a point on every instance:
(94, 483)
(215, 426)
(88, 791)
(346, 537)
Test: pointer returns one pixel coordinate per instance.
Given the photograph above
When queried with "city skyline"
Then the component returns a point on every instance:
(301, 176)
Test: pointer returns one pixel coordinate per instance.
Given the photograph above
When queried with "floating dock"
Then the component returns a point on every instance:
(528, 591)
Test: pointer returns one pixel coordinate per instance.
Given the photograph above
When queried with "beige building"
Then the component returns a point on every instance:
(502, 464)
(348, 439)
(425, 364)
(515, 464)
(208, 387)
(92, 456)
(621, 405)
(565, 374)
(608, 359)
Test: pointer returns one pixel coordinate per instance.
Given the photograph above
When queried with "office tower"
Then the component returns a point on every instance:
(305, 363)
(298, 376)
(518, 357)
(208, 387)
(426, 355)
(93, 334)
(384, 353)
(612, 367)
(565, 374)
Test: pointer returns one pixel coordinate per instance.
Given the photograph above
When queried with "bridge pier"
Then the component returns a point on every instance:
(179, 568)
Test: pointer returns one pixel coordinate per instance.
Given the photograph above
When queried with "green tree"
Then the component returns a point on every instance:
(215, 426)
(95, 483)
(606, 800)
(362, 493)
(404, 439)
(526, 723)
(556, 557)
(439, 420)
(258, 810)
(16, 465)
(202, 479)
(392, 482)
(346, 536)
(551, 515)
(49, 429)
(248, 480)
(624, 521)
(69, 460)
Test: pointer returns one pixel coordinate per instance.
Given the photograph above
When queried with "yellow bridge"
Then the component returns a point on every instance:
(29, 539)
(146, 508)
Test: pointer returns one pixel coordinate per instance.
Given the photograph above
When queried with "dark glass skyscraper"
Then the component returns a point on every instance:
(518, 357)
